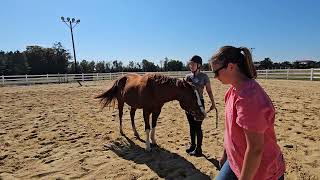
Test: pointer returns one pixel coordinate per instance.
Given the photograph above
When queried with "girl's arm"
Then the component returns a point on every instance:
(253, 154)
(209, 91)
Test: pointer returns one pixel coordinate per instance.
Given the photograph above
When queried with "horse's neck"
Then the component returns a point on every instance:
(170, 93)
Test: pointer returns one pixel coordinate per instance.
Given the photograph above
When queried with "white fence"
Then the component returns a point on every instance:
(294, 74)
(298, 74)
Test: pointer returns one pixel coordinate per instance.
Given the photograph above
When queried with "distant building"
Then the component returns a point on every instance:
(305, 62)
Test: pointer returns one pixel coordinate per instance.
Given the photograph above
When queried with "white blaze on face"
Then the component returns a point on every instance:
(199, 103)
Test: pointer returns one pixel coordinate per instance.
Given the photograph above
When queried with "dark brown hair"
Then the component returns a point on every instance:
(240, 56)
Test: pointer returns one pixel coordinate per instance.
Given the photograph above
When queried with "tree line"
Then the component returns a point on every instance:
(56, 59)
(268, 64)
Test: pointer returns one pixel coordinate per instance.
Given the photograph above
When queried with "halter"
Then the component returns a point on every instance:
(199, 103)
(202, 109)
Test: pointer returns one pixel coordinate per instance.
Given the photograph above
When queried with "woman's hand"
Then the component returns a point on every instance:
(223, 159)
(213, 106)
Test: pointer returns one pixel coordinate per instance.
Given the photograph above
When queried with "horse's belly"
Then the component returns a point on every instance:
(133, 101)
(135, 97)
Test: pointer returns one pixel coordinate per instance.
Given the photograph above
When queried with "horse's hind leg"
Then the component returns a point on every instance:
(146, 117)
(120, 108)
(132, 113)
(155, 116)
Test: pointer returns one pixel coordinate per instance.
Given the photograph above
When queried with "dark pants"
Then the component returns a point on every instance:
(195, 129)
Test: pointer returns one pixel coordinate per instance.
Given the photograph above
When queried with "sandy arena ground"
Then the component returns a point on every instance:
(58, 132)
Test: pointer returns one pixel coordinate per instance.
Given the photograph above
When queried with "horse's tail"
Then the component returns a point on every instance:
(111, 94)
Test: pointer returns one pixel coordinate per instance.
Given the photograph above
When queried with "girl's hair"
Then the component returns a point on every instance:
(230, 54)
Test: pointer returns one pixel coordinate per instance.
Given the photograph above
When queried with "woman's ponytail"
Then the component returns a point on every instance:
(249, 68)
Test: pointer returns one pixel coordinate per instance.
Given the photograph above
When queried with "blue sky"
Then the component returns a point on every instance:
(128, 30)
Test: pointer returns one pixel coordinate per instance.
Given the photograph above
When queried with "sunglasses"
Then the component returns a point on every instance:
(216, 72)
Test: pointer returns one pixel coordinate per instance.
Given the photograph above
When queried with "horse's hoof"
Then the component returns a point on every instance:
(154, 145)
(148, 149)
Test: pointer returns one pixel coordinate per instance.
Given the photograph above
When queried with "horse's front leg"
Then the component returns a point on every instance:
(132, 114)
(146, 117)
(155, 116)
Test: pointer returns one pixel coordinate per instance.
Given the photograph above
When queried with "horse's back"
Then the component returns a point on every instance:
(137, 91)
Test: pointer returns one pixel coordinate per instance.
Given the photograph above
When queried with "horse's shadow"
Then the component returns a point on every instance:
(164, 163)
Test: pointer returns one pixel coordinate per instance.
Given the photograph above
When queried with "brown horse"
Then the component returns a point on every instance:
(150, 92)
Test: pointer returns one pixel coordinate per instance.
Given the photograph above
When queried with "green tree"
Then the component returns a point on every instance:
(3, 60)
(131, 66)
(59, 60)
(174, 65)
(86, 66)
(116, 66)
(36, 60)
(266, 63)
(91, 67)
(47, 60)
(100, 67)
(148, 66)
(285, 65)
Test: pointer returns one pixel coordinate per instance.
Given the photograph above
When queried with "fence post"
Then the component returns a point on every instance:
(26, 78)
(66, 77)
(311, 75)
(266, 73)
(2, 79)
(287, 74)
(110, 75)
(47, 78)
(97, 76)
(82, 76)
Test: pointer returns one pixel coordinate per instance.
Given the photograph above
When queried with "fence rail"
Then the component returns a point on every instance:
(296, 74)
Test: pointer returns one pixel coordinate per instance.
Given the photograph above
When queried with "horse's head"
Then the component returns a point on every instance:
(190, 101)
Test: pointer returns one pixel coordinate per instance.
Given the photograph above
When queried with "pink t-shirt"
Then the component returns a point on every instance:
(249, 107)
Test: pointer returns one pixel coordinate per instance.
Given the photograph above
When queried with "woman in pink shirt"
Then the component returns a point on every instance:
(250, 147)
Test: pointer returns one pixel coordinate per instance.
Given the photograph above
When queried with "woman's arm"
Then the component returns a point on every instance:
(253, 154)
(223, 158)
(209, 91)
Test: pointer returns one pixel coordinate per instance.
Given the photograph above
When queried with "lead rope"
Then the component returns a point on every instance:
(217, 117)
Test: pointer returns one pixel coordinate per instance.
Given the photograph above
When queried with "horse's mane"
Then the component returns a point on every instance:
(166, 80)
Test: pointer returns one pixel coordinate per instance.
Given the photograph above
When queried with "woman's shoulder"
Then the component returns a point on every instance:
(204, 76)
(250, 88)
(254, 93)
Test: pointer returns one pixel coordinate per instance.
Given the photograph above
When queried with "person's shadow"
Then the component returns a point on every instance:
(164, 163)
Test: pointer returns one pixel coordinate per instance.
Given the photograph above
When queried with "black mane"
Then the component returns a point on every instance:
(166, 80)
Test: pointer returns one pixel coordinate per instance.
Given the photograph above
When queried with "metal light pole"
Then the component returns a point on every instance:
(251, 49)
(71, 23)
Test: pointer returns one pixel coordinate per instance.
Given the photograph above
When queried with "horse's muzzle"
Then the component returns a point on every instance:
(200, 116)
